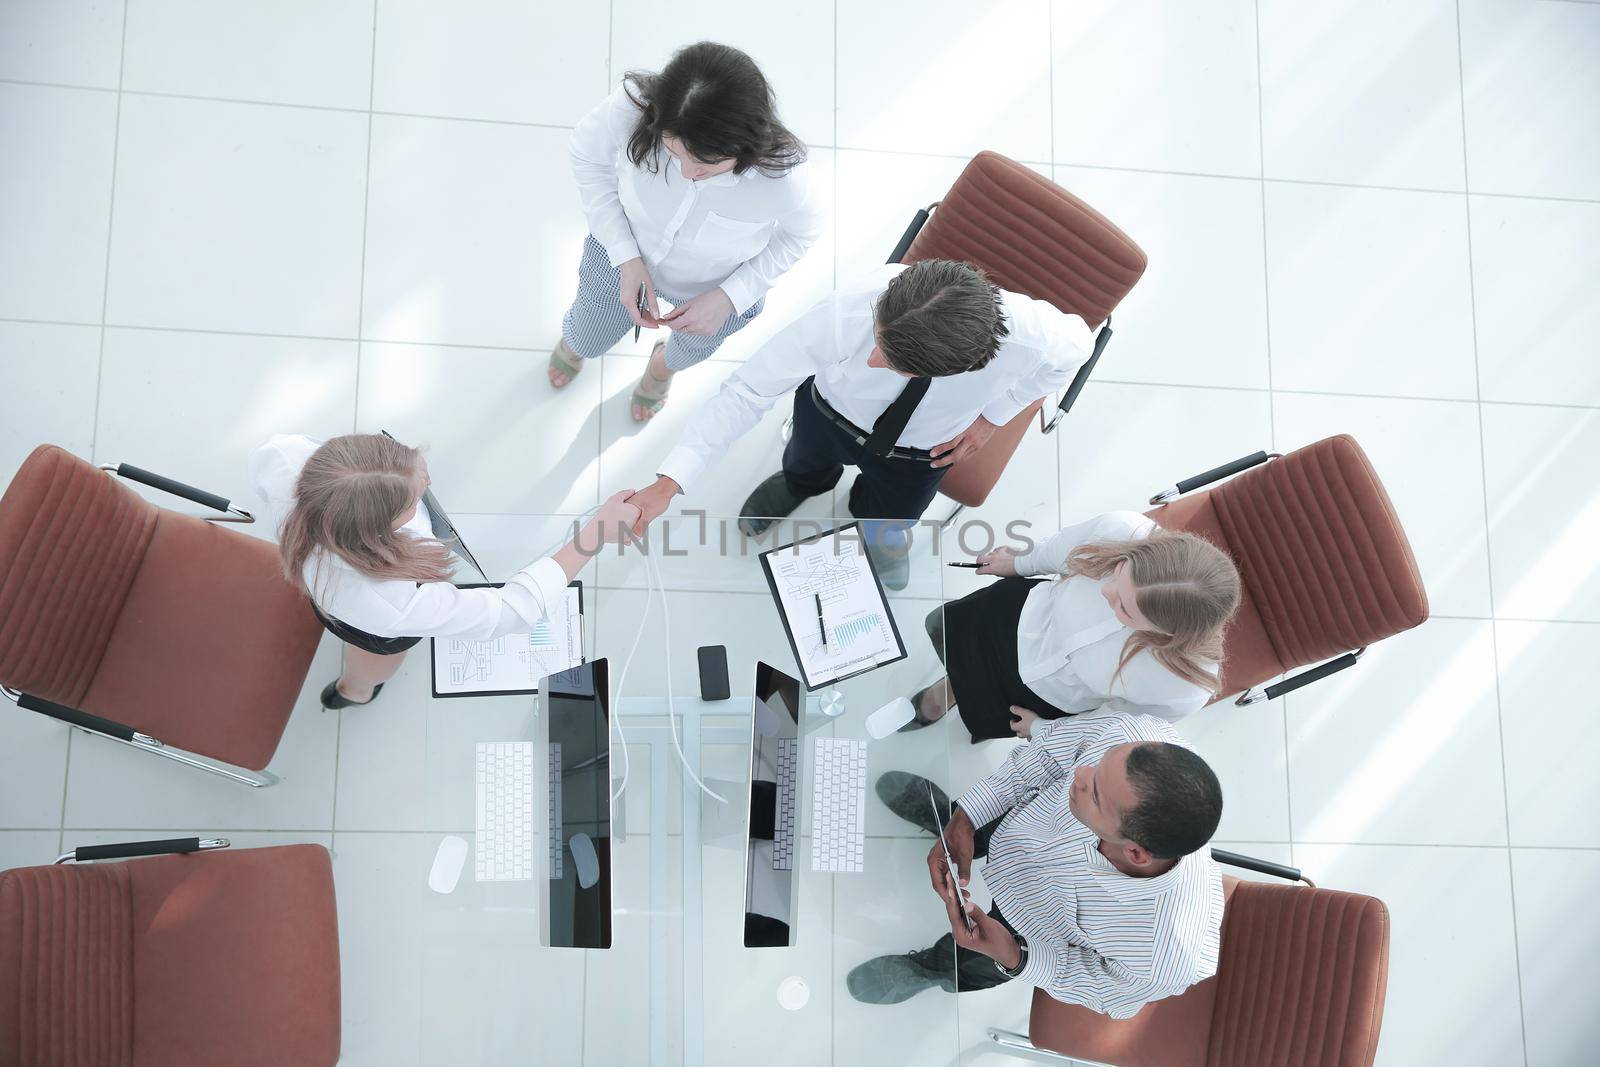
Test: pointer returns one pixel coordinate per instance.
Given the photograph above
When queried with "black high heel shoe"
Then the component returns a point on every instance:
(333, 700)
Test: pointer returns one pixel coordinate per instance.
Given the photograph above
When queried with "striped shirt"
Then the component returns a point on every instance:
(1096, 937)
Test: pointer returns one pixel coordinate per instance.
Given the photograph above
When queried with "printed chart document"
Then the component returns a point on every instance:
(855, 632)
(513, 663)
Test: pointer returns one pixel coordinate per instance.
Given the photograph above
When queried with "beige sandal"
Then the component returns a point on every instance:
(564, 360)
(644, 402)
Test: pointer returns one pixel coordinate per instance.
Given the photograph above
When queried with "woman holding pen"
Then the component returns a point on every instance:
(695, 193)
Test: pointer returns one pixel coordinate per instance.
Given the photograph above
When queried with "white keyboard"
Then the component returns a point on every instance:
(504, 826)
(556, 850)
(784, 817)
(838, 804)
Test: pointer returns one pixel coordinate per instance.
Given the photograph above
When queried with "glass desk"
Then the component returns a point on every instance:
(678, 985)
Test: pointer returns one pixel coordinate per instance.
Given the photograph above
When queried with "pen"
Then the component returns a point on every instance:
(823, 630)
(639, 303)
(974, 566)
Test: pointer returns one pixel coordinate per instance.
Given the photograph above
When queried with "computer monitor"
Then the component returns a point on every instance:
(577, 910)
(773, 814)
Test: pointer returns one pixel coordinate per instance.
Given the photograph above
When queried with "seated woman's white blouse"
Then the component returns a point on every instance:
(736, 231)
(398, 608)
(1069, 641)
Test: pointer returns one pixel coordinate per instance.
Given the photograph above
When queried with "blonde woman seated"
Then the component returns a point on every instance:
(355, 537)
(1132, 625)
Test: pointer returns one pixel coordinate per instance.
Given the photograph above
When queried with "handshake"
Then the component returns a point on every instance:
(625, 514)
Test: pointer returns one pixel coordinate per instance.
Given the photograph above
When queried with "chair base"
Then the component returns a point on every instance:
(1014, 1042)
(146, 743)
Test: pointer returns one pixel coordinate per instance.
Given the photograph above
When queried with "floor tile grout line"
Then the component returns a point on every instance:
(1272, 406)
(534, 350)
(100, 356)
(1488, 540)
(111, 215)
(1270, 179)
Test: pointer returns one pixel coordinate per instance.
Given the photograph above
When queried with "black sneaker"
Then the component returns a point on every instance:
(907, 796)
(772, 500)
(893, 979)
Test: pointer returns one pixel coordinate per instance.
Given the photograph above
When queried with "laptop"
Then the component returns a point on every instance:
(443, 528)
(772, 821)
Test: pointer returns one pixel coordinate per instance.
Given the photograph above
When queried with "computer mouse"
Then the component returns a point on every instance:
(889, 718)
(584, 860)
(447, 863)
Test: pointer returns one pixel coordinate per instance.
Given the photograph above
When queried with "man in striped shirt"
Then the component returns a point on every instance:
(1104, 894)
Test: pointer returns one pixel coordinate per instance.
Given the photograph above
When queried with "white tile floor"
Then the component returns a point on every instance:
(1370, 217)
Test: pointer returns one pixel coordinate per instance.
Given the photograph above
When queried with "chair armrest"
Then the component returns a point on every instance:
(1215, 474)
(72, 716)
(918, 220)
(1260, 866)
(129, 849)
(1304, 678)
(177, 488)
(1079, 380)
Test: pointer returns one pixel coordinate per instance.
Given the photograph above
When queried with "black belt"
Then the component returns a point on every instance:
(859, 435)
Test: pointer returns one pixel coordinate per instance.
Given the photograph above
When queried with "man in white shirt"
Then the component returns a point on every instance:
(1104, 893)
(901, 375)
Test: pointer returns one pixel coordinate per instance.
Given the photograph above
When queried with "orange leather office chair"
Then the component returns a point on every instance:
(1300, 983)
(1326, 569)
(148, 627)
(228, 960)
(1030, 236)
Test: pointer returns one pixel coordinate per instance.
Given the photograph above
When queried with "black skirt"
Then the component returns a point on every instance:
(980, 633)
(378, 646)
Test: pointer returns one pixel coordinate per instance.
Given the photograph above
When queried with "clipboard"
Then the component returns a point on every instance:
(473, 654)
(444, 529)
(867, 599)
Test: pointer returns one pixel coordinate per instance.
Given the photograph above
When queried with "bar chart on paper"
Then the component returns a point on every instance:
(849, 632)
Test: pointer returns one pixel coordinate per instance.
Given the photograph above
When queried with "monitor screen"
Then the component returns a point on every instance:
(578, 903)
(774, 811)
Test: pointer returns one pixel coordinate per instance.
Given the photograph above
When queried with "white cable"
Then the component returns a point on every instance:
(644, 620)
(666, 622)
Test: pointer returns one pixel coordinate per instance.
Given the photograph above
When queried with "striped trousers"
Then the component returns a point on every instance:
(596, 319)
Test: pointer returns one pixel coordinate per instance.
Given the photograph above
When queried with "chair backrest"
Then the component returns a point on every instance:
(1302, 979)
(1030, 236)
(1325, 565)
(72, 541)
(232, 958)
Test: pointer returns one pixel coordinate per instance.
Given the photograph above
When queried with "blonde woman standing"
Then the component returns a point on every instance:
(1132, 624)
(695, 193)
(355, 537)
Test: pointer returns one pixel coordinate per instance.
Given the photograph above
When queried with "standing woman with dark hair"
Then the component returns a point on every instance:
(695, 191)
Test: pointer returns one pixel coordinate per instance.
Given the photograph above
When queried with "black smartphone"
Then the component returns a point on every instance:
(713, 672)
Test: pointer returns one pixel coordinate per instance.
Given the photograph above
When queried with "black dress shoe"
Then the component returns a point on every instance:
(907, 796)
(333, 700)
(772, 500)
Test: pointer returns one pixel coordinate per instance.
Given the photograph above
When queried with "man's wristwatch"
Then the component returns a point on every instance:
(1022, 959)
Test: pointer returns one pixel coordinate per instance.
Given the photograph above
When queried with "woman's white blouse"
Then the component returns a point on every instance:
(1069, 640)
(392, 608)
(736, 231)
